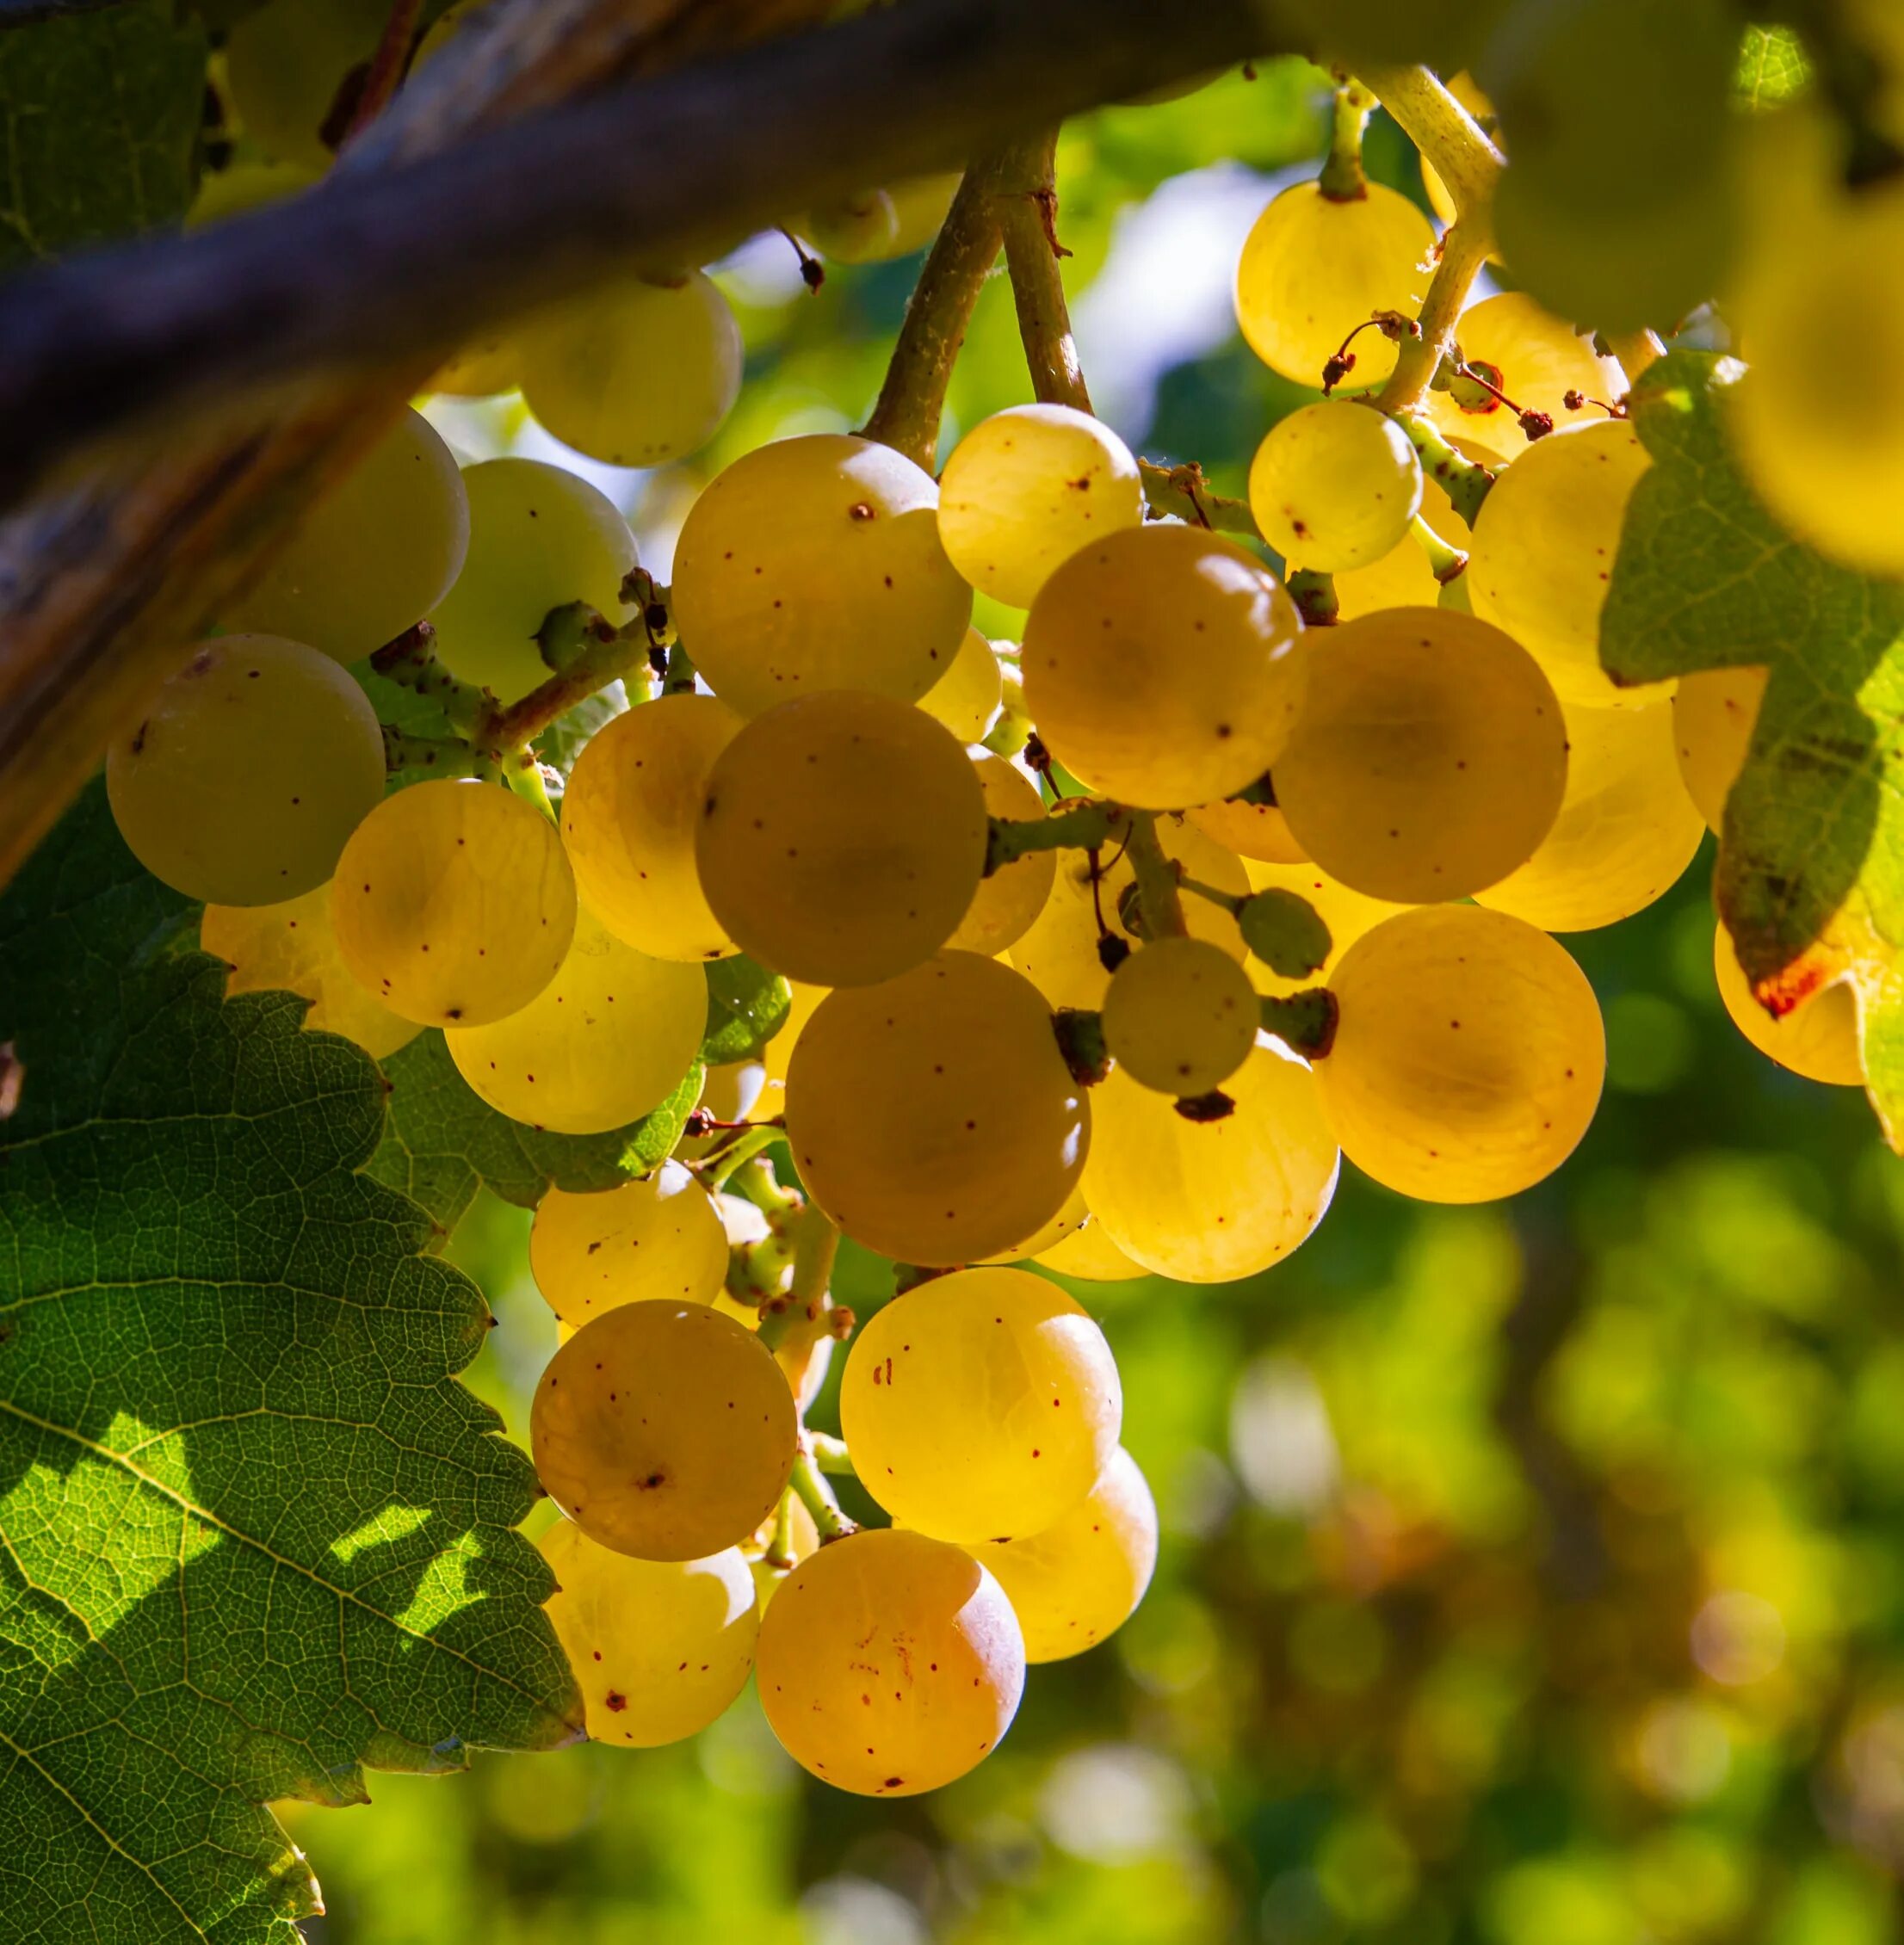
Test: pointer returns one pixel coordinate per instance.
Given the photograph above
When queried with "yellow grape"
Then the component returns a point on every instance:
(1403, 576)
(659, 1647)
(629, 815)
(875, 225)
(1468, 1058)
(1312, 270)
(659, 1237)
(1007, 903)
(890, 1663)
(842, 838)
(247, 772)
(284, 63)
(1818, 1038)
(1536, 359)
(1089, 1255)
(1431, 759)
(538, 539)
(815, 564)
(966, 697)
(1081, 1579)
(636, 374)
(981, 1406)
(1209, 1201)
(290, 948)
(1067, 1219)
(485, 367)
(1028, 487)
(771, 1100)
(1251, 830)
(1626, 830)
(1180, 1017)
(664, 1430)
(933, 1117)
(1544, 544)
(1333, 486)
(453, 904)
(1161, 666)
(1713, 713)
(1346, 914)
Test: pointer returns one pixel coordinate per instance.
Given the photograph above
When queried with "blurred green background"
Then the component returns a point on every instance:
(1531, 1574)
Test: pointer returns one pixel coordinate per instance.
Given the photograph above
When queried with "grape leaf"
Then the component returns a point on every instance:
(564, 740)
(1771, 68)
(254, 1537)
(1811, 864)
(442, 1141)
(747, 1005)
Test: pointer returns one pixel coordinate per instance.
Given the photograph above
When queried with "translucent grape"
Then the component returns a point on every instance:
(482, 368)
(453, 904)
(875, 225)
(1534, 357)
(372, 557)
(771, 1100)
(1626, 830)
(1312, 270)
(1028, 487)
(842, 838)
(1209, 1201)
(980, 1405)
(815, 564)
(629, 815)
(1347, 914)
(665, 1430)
(247, 771)
(1468, 1058)
(290, 948)
(1180, 1017)
(284, 63)
(966, 697)
(1008, 903)
(890, 1663)
(933, 1117)
(1818, 1038)
(1403, 577)
(1160, 665)
(1334, 486)
(1251, 830)
(1081, 1579)
(1543, 549)
(636, 374)
(659, 1647)
(610, 1036)
(659, 1236)
(1089, 1255)
(1431, 759)
(1713, 713)
(538, 539)
(1068, 1218)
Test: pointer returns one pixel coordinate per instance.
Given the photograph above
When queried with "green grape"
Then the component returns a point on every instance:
(1817, 1038)
(658, 1648)
(1713, 713)
(1404, 577)
(1089, 1255)
(1334, 486)
(1210, 1201)
(1028, 487)
(290, 948)
(1312, 270)
(1081, 1579)
(247, 772)
(635, 374)
(1626, 830)
(658, 1237)
(966, 697)
(1161, 667)
(1007, 903)
(981, 1406)
(453, 904)
(284, 66)
(610, 1036)
(1346, 914)
(1534, 357)
(373, 556)
(1251, 830)
(843, 838)
(815, 564)
(1468, 1055)
(1431, 759)
(245, 185)
(890, 1663)
(1544, 544)
(538, 539)
(665, 1430)
(1180, 1017)
(629, 815)
(875, 225)
(485, 367)
(933, 1117)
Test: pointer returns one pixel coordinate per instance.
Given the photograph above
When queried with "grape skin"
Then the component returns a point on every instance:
(1536, 359)
(1007, 903)
(890, 1663)
(981, 1406)
(1180, 1017)
(1715, 712)
(1818, 1039)
(1251, 830)
(659, 1237)
(247, 772)
(1334, 486)
(665, 1430)
(877, 225)
(966, 698)
(1089, 1255)
(284, 63)
(1403, 576)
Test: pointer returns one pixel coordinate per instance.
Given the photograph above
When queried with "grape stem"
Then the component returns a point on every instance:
(1465, 481)
(1343, 179)
(831, 1455)
(1156, 875)
(1026, 198)
(817, 1496)
(599, 663)
(779, 1555)
(1083, 827)
(1446, 563)
(1006, 737)
(1304, 1022)
(1232, 902)
(387, 66)
(1315, 597)
(446, 755)
(716, 1168)
(1184, 490)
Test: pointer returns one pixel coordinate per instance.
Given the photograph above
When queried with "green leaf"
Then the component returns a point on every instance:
(747, 1005)
(1772, 67)
(100, 113)
(1811, 863)
(442, 1141)
(562, 742)
(257, 1538)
